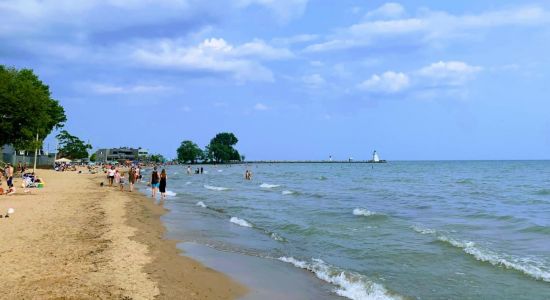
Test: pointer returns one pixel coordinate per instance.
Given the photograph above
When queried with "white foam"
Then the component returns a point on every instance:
(365, 212)
(240, 222)
(220, 170)
(269, 186)
(201, 204)
(423, 230)
(287, 192)
(528, 266)
(170, 193)
(348, 284)
(188, 183)
(215, 188)
(277, 237)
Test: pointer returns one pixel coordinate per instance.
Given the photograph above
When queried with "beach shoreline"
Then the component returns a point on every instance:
(75, 239)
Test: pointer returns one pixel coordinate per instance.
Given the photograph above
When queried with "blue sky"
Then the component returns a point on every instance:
(295, 79)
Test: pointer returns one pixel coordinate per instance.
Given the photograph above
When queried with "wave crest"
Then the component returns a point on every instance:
(215, 188)
(269, 186)
(348, 284)
(528, 266)
(201, 204)
(240, 222)
(366, 212)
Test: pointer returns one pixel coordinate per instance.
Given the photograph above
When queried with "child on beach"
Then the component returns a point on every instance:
(121, 181)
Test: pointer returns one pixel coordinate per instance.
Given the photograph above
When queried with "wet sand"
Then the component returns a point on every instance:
(77, 240)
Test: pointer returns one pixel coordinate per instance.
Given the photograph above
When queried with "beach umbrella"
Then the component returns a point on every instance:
(63, 160)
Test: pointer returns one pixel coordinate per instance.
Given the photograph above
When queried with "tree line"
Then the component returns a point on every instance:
(28, 114)
(219, 150)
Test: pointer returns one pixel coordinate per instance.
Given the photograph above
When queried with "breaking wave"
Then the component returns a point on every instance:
(366, 212)
(269, 186)
(240, 222)
(201, 204)
(528, 266)
(286, 192)
(348, 284)
(216, 188)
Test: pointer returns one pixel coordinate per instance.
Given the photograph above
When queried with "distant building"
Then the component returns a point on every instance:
(142, 153)
(116, 154)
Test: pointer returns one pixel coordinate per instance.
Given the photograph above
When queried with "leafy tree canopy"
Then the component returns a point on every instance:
(189, 152)
(26, 109)
(93, 158)
(221, 148)
(71, 146)
(157, 158)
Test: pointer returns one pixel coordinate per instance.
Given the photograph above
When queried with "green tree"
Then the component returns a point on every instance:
(93, 158)
(26, 109)
(189, 152)
(221, 148)
(71, 146)
(157, 158)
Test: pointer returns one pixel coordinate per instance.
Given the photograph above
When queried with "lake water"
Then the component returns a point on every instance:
(413, 230)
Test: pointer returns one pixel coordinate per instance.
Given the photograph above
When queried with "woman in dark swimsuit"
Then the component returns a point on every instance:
(162, 187)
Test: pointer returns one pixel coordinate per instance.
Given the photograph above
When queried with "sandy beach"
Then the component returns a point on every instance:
(77, 240)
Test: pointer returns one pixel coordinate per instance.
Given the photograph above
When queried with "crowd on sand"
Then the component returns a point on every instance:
(28, 179)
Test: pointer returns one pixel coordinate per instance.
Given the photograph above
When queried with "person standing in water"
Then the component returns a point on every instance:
(132, 178)
(154, 182)
(162, 184)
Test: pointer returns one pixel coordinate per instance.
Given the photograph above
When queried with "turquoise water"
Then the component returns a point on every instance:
(420, 230)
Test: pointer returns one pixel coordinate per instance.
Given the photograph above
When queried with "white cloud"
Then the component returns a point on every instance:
(313, 80)
(212, 55)
(451, 72)
(295, 39)
(388, 83)
(132, 89)
(260, 106)
(388, 10)
(284, 9)
(429, 80)
(388, 22)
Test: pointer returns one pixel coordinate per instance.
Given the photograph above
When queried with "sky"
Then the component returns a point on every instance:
(294, 79)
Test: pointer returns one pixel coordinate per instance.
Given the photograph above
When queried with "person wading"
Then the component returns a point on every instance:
(162, 187)
(154, 182)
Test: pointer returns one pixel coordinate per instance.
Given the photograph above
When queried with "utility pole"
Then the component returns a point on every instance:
(35, 153)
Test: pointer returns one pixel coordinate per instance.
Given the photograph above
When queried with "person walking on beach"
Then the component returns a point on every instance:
(121, 182)
(117, 177)
(162, 185)
(188, 170)
(154, 182)
(111, 175)
(132, 178)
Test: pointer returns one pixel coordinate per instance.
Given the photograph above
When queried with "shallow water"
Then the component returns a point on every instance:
(426, 230)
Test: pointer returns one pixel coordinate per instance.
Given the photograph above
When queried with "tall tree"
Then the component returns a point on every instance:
(221, 147)
(26, 109)
(189, 152)
(71, 146)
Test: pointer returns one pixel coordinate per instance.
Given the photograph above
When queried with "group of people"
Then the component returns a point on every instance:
(197, 171)
(158, 180)
(115, 176)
